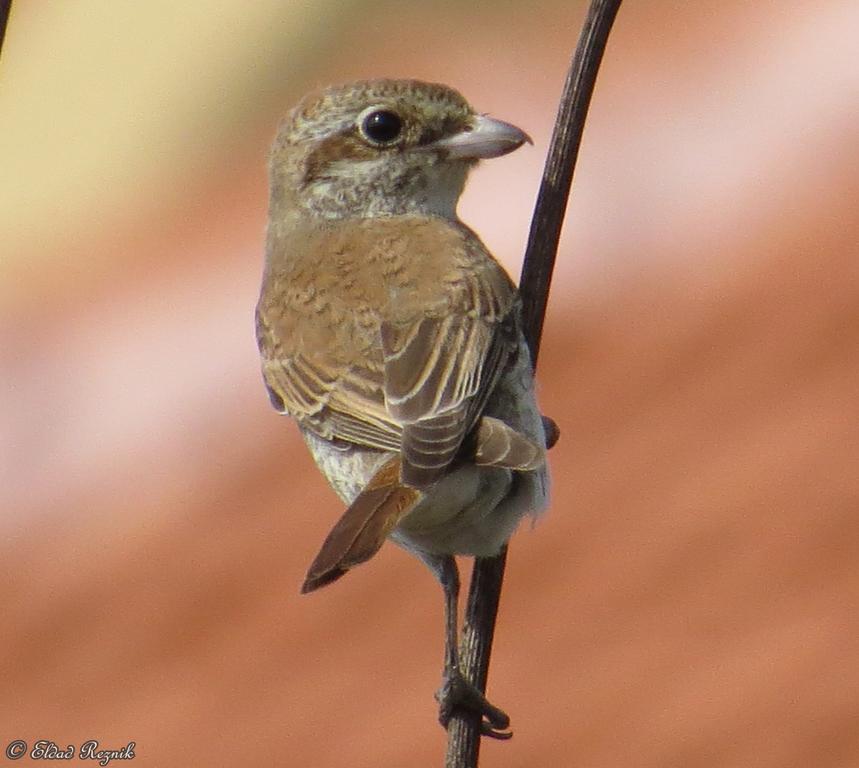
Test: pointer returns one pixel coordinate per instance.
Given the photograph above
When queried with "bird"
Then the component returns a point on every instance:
(393, 338)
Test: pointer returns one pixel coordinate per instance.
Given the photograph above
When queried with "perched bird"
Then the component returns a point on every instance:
(392, 336)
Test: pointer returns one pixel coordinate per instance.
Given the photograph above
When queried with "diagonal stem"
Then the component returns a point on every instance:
(5, 10)
(463, 746)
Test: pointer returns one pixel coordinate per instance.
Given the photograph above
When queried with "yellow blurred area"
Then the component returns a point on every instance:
(691, 597)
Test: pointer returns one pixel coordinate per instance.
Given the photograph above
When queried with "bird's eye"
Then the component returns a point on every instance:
(381, 126)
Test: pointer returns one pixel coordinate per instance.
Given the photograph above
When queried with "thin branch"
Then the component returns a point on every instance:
(558, 175)
(463, 744)
(5, 8)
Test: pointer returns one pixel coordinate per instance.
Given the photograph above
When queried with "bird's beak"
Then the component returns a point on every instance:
(484, 137)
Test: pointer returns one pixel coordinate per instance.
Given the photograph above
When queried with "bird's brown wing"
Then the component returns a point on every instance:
(439, 370)
(397, 347)
(320, 353)
(334, 397)
(438, 374)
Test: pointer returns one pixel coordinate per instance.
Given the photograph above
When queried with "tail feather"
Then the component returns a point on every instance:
(362, 529)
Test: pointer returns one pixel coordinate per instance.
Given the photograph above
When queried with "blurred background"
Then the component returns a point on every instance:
(690, 599)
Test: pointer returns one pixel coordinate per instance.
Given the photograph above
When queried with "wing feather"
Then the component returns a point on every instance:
(397, 346)
(439, 371)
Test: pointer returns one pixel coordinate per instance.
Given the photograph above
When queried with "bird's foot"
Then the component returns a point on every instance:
(457, 694)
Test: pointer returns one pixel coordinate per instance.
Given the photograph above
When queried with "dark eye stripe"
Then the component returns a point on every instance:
(448, 127)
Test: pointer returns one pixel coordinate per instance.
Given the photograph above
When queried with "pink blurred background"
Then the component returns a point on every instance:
(691, 597)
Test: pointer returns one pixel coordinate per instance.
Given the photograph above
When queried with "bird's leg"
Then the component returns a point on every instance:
(457, 693)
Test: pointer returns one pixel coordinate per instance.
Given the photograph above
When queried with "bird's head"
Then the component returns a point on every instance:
(380, 148)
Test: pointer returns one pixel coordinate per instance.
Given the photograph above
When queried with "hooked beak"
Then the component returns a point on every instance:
(485, 137)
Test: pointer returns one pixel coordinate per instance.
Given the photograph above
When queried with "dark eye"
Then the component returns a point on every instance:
(382, 126)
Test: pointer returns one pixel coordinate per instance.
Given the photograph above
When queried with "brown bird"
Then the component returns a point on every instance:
(392, 336)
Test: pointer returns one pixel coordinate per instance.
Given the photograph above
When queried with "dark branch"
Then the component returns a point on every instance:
(558, 175)
(5, 8)
(463, 745)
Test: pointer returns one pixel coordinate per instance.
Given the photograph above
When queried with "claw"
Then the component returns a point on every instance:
(487, 730)
(457, 694)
